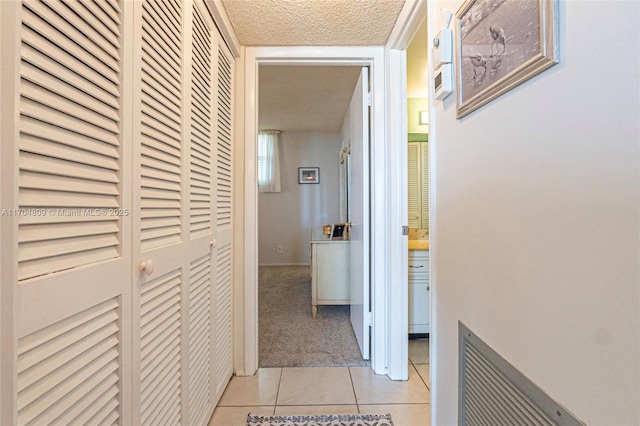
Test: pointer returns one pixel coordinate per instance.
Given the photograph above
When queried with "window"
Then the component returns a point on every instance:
(268, 161)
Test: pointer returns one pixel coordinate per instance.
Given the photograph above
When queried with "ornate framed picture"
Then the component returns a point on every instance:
(501, 44)
(308, 175)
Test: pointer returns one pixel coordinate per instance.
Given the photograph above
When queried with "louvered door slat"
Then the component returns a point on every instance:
(200, 172)
(45, 30)
(95, 381)
(159, 24)
(110, 7)
(67, 230)
(104, 24)
(62, 161)
(53, 174)
(85, 31)
(162, 149)
(65, 203)
(39, 110)
(104, 416)
(62, 57)
(37, 140)
(424, 166)
(101, 354)
(223, 186)
(167, 67)
(78, 34)
(173, 15)
(81, 100)
(199, 339)
(159, 136)
(413, 192)
(69, 364)
(167, 118)
(166, 98)
(223, 316)
(66, 184)
(83, 82)
(50, 248)
(160, 349)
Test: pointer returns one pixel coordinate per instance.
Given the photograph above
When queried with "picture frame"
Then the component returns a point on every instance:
(500, 44)
(308, 175)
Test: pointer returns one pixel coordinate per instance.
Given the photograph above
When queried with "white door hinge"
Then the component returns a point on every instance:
(369, 99)
(370, 319)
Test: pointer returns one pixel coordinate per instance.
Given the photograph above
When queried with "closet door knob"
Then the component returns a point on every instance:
(147, 266)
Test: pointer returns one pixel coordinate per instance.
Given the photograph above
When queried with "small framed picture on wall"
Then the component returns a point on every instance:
(308, 174)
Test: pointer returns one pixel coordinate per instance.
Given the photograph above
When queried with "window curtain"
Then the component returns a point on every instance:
(268, 161)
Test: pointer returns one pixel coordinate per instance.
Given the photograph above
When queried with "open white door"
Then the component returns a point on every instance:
(359, 209)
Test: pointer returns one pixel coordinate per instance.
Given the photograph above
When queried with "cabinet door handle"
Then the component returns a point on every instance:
(411, 266)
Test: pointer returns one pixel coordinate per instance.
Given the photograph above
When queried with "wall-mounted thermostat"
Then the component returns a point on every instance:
(442, 50)
(443, 81)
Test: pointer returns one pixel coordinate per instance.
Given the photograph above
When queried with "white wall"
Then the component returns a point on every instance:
(536, 225)
(286, 218)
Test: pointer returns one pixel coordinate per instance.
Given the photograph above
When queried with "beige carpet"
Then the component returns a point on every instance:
(289, 336)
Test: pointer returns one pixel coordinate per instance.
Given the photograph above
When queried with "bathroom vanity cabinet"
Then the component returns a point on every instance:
(419, 291)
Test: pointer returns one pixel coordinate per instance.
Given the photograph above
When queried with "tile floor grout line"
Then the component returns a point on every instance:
(421, 378)
(275, 403)
(355, 395)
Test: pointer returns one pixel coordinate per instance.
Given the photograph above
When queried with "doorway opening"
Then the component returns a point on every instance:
(304, 149)
(247, 309)
(417, 104)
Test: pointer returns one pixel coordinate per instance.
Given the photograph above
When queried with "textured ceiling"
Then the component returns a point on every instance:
(310, 98)
(313, 22)
(304, 98)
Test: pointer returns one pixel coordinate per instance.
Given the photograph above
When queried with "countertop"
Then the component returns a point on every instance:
(418, 244)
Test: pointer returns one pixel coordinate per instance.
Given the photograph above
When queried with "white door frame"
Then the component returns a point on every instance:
(374, 57)
(407, 24)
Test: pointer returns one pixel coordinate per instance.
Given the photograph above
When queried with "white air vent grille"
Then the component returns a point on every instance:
(160, 356)
(69, 372)
(70, 106)
(223, 175)
(199, 340)
(161, 139)
(493, 393)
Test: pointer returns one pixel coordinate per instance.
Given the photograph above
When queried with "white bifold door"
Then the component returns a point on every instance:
(359, 212)
(116, 201)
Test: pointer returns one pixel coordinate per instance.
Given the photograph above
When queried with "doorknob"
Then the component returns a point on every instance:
(147, 266)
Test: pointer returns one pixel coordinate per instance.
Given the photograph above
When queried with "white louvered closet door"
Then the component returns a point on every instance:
(72, 275)
(202, 262)
(174, 226)
(223, 213)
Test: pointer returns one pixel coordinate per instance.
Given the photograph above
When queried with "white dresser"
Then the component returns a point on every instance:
(330, 271)
(419, 291)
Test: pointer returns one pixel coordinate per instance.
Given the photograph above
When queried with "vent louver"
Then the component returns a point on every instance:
(493, 393)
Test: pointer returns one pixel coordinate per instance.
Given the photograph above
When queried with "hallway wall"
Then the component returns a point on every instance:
(535, 230)
(286, 218)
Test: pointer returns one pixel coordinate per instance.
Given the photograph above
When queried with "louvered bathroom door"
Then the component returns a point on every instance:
(68, 225)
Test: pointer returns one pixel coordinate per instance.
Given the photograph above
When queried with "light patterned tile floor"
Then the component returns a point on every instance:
(331, 390)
